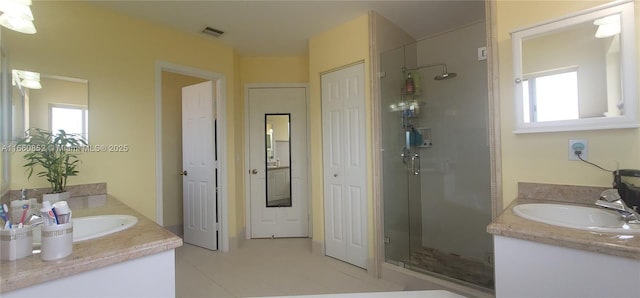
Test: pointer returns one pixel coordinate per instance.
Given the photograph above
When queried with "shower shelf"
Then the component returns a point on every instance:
(421, 138)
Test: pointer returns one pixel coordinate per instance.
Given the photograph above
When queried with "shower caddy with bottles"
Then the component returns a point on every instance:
(415, 135)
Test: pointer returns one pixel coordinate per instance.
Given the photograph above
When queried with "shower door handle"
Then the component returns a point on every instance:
(415, 164)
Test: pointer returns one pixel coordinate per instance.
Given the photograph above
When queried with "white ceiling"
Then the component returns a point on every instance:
(283, 28)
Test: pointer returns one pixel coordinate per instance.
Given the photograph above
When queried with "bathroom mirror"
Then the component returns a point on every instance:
(577, 72)
(278, 159)
(61, 103)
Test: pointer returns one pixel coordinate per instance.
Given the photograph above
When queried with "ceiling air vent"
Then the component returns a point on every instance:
(212, 31)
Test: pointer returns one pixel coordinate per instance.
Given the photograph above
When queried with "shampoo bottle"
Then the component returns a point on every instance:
(410, 86)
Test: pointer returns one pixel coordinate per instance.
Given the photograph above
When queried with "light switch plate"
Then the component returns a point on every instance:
(482, 53)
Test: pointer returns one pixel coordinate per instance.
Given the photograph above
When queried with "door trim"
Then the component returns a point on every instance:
(247, 186)
(220, 81)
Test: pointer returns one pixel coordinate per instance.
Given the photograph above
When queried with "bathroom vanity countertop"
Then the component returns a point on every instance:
(144, 238)
(509, 224)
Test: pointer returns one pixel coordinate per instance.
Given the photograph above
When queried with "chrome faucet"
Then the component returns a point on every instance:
(610, 199)
(35, 220)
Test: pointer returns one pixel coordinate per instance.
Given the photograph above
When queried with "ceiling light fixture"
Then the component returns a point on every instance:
(26, 79)
(16, 15)
(607, 26)
(212, 31)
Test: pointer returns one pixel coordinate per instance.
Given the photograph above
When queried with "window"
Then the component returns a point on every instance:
(551, 96)
(72, 119)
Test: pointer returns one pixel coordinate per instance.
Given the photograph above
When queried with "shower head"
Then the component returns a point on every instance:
(445, 74)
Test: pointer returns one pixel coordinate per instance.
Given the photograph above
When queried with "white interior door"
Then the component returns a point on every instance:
(199, 166)
(278, 221)
(345, 169)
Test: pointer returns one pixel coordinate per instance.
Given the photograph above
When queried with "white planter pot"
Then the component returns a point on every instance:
(55, 197)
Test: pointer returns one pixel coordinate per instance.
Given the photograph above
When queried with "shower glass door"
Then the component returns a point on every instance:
(435, 159)
(394, 160)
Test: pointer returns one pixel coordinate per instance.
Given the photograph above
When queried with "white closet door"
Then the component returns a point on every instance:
(345, 169)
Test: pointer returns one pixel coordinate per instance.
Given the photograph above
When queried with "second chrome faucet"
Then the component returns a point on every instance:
(611, 199)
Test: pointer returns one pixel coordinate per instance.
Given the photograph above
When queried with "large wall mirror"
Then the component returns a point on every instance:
(577, 72)
(278, 159)
(59, 103)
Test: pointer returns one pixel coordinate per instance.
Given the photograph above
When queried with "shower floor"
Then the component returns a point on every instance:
(454, 266)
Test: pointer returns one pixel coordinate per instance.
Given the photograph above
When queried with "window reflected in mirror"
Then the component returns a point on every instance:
(71, 119)
(278, 160)
(572, 74)
(551, 96)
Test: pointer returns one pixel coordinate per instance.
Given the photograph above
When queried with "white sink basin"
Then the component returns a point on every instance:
(85, 228)
(577, 217)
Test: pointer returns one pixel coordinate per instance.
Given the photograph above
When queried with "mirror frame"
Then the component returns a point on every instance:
(5, 123)
(266, 161)
(627, 61)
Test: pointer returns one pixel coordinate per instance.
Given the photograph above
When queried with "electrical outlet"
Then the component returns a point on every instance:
(577, 145)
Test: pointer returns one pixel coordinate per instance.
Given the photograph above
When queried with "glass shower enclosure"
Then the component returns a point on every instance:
(435, 158)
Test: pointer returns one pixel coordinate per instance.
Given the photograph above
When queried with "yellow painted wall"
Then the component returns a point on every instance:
(238, 133)
(543, 157)
(330, 50)
(172, 84)
(117, 54)
(286, 69)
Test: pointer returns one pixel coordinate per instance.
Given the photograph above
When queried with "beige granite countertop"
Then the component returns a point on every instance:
(510, 225)
(144, 238)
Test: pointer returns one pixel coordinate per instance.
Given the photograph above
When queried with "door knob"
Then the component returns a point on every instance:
(254, 171)
(335, 175)
(183, 173)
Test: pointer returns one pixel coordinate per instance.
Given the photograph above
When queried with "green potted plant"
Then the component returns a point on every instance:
(57, 155)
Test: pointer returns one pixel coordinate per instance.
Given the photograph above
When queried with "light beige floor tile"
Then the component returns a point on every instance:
(191, 283)
(268, 267)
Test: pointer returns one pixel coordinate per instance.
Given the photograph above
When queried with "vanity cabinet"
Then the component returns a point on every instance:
(136, 262)
(148, 276)
(531, 269)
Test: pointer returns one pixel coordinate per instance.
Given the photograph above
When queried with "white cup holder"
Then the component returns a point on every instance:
(16, 243)
(56, 241)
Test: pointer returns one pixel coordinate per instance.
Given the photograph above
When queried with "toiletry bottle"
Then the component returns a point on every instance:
(62, 211)
(48, 218)
(410, 86)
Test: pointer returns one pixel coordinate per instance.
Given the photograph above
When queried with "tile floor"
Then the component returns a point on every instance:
(268, 267)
